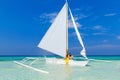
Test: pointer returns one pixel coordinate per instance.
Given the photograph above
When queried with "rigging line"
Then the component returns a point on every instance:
(30, 67)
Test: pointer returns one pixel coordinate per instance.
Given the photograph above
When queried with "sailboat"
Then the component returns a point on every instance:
(55, 39)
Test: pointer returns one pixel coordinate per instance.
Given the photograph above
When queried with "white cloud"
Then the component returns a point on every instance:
(118, 37)
(82, 13)
(99, 27)
(81, 16)
(74, 34)
(99, 33)
(70, 24)
(49, 17)
(99, 30)
(110, 14)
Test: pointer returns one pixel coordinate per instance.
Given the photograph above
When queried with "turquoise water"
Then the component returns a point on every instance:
(96, 70)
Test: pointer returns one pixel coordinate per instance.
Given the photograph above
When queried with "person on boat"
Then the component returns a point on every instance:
(70, 56)
(67, 58)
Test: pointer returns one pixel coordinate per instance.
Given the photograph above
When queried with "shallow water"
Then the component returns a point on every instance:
(96, 70)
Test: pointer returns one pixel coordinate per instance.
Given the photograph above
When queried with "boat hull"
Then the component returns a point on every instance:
(62, 62)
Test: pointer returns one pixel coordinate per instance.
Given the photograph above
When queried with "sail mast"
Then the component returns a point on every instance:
(66, 27)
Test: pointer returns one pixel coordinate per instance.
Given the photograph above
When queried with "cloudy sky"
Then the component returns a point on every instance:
(24, 22)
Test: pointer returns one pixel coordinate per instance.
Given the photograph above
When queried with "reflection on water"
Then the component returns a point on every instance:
(67, 71)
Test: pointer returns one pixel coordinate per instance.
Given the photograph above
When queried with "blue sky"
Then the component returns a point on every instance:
(24, 22)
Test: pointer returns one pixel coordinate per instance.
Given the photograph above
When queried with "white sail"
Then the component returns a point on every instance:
(55, 38)
(83, 51)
